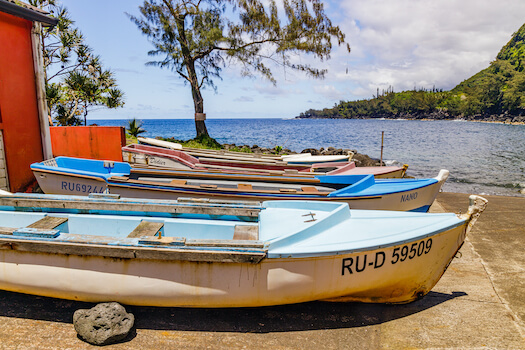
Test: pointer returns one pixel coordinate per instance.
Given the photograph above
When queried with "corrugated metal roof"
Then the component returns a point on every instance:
(21, 9)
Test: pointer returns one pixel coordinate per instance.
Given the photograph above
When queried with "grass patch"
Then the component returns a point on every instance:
(203, 141)
(131, 139)
(241, 149)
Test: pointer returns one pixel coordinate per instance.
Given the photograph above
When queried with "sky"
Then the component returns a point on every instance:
(398, 43)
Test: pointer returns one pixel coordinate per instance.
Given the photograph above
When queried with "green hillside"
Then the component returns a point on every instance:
(496, 93)
(514, 51)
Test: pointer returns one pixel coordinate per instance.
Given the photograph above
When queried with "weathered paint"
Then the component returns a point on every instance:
(385, 202)
(203, 284)
(396, 266)
(65, 184)
(401, 199)
(18, 101)
(92, 142)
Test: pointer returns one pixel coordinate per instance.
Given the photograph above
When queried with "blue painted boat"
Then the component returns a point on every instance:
(211, 254)
(65, 175)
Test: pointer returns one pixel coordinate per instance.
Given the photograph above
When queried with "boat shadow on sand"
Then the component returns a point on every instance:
(298, 317)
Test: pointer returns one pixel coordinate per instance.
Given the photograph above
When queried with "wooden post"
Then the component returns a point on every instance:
(38, 62)
(382, 139)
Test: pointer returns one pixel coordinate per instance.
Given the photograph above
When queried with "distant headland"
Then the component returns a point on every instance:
(495, 94)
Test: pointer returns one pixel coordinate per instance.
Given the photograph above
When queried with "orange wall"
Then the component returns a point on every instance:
(94, 142)
(18, 101)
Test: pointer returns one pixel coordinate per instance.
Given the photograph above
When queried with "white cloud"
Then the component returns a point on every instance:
(243, 99)
(269, 89)
(399, 43)
(407, 43)
(330, 92)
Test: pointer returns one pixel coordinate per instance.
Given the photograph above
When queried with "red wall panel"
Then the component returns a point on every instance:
(18, 102)
(93, 142)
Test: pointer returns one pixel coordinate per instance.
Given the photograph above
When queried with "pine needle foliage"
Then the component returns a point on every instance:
(198, 38)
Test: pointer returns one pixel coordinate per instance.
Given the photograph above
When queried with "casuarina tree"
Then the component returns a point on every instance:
(197, 38)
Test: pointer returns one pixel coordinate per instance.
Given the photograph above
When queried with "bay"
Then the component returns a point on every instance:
(483, 158)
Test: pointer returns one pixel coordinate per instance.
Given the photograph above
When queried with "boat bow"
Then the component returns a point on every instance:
(476, 206)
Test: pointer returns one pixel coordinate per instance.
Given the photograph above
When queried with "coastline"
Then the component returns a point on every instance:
(425, 120)
(481, 157)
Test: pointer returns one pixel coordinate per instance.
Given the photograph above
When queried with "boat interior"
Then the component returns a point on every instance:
(69, 224)
(223, 185)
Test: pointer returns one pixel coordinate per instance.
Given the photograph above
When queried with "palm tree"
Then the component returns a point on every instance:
(76, 81)
(135, 127)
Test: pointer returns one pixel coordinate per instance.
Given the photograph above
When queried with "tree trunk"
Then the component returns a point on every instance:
(200, 127)
(198, 102)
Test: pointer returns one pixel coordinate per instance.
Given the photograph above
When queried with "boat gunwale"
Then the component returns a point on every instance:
(250, 210)
(228, 253)
(193, 173)
(218, 190)
(264, 197)
(392, 192)
(272, 255)
(66, 173)
(151, 185)
(222, 254)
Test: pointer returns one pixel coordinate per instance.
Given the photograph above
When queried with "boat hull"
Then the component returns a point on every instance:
(397, 274)
(414, 200)
(61, 183)
(81, 177)
(418, 199)
(152, 160)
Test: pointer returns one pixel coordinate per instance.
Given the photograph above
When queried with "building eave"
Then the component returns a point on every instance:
(34, 16)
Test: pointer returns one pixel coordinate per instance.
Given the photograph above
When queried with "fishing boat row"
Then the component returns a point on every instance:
(172, 228)
(152, 156)
(301, 158)
(209, 254)
(76, 176)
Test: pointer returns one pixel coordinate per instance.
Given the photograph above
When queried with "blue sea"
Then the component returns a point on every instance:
(483, 158)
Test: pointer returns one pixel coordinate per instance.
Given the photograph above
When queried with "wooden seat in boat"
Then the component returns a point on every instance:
(310, 189)
(287, 190)
(208, 186)
(7, 230)
(44, 227)
(48, 223)
(177, 182)
(146, 228)
(246, 232)
(246, 187)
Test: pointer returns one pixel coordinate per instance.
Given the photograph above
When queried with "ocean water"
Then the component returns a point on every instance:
(483, 158)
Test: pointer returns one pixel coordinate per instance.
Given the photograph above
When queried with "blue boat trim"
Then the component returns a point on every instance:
(285, 229)
(353, 186)
(36, 233)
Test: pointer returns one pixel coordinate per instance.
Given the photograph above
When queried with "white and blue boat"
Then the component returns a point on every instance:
(75, 176)
(208, 254)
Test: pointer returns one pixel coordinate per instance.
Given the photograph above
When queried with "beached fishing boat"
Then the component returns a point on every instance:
(209, 154)
(144, 155)
(205, 254)
(65, 175)
(160, 143)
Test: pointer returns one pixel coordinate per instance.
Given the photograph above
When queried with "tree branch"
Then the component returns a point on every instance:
(61, 71)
